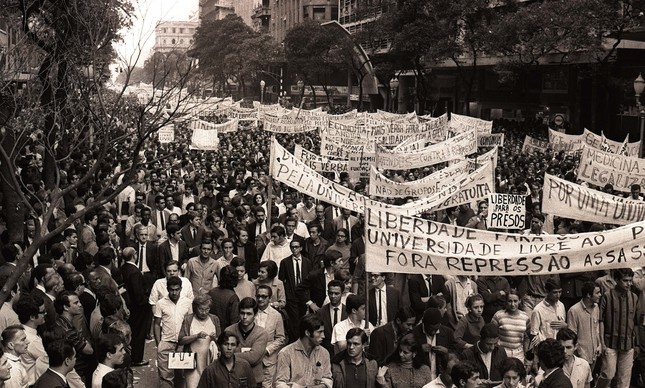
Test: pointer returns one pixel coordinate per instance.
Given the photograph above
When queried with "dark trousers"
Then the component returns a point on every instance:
(140, 320)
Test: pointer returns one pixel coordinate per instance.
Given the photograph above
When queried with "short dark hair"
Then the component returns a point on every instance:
(551, 353)
(513, 364)
(110, 304)
(265, 287)
(9, 334)
(404, 313)
(58, 351)
(238, 261)
(588, 288)
(63, 300)
(225, 336)
(552, 284)
(107, 343)
(489, 330)
(310, 323)
(271, 266)
(172, 228)
(331, 256)
(357, 331)
(353, 302)
(279, 230)
(463, 371)
(173, 281)
(228, 277)
(567, 334)
(336, 283)
(248, 303)
(28, 306)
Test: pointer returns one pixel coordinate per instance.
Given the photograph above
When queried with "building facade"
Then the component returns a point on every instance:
(216, 9)
(288, 13)
(174, 36)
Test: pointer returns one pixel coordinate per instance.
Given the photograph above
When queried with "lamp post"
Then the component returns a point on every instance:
(639, 86)
(394, 86)
(262, 85)
(301, 86)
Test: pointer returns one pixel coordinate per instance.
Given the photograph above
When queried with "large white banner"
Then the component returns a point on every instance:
(204, 139)
(491, 140)
(569, 200)
(474, 188)
(459, 124)
(319, 163)
(599, 168)
(453, 148)
(382, 186)
(593, 140)
(532, 145)
(403, 244)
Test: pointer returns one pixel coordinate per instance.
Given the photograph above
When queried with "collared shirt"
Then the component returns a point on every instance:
(355, 374)
(35, 352)
(618, 312)
(160, 290)
(340, 330)
(542, 316)
(585, 322)
(97, 376)
(432, 341)
(486, 357)
(201, 274)
(59, 375)
(218, 375)
(8, 317)
(261, 317)
(580, 374)
(19, 378)
(172, 315)
(297, 269)
(174, 249)
(142, 258)
(295, 366)
(383, 308)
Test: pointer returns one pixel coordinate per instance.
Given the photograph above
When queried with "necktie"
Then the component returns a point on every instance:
(141, 257)
(335, 315)
(380, 308)
(349, 233)
(260, 228)
(297, 271)
(194, 233)
(163, 224)
(429, 280)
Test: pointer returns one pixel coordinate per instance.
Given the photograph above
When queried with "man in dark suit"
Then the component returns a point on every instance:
(312, 291)
(246, 250)
(290, 227)
(137, 300)
(10, 253)
(148, 261)
(173, 248)
(258, 226)
(383, 339)
(292, 270)
(315, 246)
(451, 216)
(62, 358)
(419, 293)
(487, 347)
(384, 300)
(325, 224)
(346, 221)
(44, 274)
(333, 312)
(193, 231)
(434, 338)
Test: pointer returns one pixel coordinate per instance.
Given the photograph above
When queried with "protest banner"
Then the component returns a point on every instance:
(204, 139)
(319, 163)
(563, 142)
(595, 141)
(460, 124)
(359, 165)
(166, 134)
(491, 140)
(229, 126)
(599, 168)
(435, 127)
(382, 186)
(389, 116)
(569, 200)
(453, 148)
(506, 211)
(475, 187)
(338, 148)
(532, 145)
(293, 172)
(403, 244)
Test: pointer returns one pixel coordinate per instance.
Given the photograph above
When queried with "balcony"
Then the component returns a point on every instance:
(261, 11)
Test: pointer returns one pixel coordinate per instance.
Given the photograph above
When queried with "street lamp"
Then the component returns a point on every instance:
(301, 86)
(639, 86)
(262, 85)
(394, 86)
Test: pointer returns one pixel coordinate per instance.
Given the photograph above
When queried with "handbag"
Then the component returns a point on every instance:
(181, 360)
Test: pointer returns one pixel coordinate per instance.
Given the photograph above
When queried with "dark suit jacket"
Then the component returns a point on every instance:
(152, 260)
(136, 296)
(325, 313)
(50, 318)
(557, 379)
(49, 379)
(328, 232)
(499, 356)
(187, 236)
(417, 288)
(251, 258)
(165, 255)
(393, 303)
(252, 227)
(107, 279)
(288, 276)
(382, 343)
(313, 288)
(156, 222)
(445, 338)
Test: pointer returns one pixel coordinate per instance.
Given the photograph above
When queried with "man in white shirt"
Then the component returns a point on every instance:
(278, 248)
(160, 288)
(355, 306)
(31, 312)
(271, 321)
(111, 352)
(14, 343)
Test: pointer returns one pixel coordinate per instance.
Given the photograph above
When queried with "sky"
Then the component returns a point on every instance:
(139, 39)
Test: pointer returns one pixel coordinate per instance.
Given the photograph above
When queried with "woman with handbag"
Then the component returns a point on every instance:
(198, 334)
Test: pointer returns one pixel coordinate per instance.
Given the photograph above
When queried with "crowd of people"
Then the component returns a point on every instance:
(273, 292)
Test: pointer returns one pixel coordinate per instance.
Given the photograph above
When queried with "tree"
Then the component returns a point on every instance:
(66, 115)
(228, 49)
(166, 69)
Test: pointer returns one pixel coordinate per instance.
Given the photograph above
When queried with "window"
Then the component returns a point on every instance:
(181, 30)
(181, 41)
(173, 41)
(164, 30)
(319, 13)
(174, 30)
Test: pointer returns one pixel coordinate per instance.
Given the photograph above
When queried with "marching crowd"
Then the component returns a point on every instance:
(185, 256)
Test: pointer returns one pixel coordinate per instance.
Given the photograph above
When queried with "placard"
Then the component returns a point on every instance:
(506, 211)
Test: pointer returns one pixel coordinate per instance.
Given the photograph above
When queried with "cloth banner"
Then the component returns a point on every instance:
(593, 140)
(389, 116)
(319, 163)
(506, 211)
(563, 142)
(338, 148)
(569, 200)
(293, 172)
(166, 134)
(229, 126)
(243, 114)
(204, 139)
(532, 145)
(492, 140)
(453, 148)
(599, 168)
(435, 127)
(396, 243)
(459, 124)
(382, 186)
(474, 188)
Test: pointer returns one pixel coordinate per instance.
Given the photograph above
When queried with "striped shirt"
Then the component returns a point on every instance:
(618, 314)
(512, 328)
